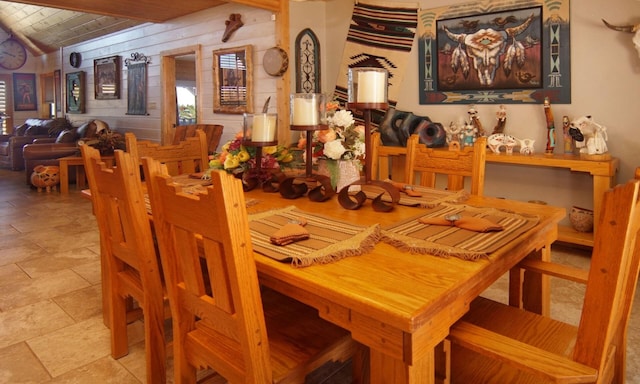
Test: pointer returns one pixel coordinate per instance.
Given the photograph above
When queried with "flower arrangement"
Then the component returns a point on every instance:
(237, 159)
(342, 140)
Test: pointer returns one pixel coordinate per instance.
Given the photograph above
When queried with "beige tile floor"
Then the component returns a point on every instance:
(51, 328)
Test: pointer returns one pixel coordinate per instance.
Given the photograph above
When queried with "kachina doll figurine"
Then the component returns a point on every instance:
(475, 121)
(501, 116)
(568, 140)
(551, 128)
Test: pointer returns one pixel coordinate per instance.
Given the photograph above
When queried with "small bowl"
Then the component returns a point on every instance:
(581, 219)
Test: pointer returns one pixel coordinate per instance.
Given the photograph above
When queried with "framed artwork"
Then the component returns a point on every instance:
(233, 80)
(106, 78)
(307, 62)
(75, 92)
(24, 92)
(492, 51)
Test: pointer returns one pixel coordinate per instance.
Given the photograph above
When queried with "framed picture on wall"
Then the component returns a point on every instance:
(106, 78)
(24, 92)
(137, 89)
(75, 92)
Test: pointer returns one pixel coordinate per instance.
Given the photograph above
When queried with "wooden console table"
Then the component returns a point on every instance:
(66, 162)
(602, 171)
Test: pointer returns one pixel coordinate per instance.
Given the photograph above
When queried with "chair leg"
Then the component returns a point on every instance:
(155, 342)
(118, 323)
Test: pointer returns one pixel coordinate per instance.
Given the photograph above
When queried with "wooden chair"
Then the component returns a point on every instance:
(387, 162)
(129, 259)
(429, 162)
(495, 343)
(222, 319)
(186, 157)
(212, 131)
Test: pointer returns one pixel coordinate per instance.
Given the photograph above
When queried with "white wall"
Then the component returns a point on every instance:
(605, 70)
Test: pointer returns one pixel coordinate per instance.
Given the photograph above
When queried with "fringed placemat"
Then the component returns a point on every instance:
(329, 240)
(444, 240)
(430, 197)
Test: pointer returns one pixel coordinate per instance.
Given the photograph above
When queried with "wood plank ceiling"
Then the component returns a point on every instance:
(46, 25)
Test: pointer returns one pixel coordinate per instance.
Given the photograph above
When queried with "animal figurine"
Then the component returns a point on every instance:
(594, 136)
(526, 146)
(499, 140)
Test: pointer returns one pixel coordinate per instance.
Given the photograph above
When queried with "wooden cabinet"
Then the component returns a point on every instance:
(602, 171)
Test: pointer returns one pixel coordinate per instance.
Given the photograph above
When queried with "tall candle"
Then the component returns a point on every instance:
(304, 111)
(264, 128)
(371, 87)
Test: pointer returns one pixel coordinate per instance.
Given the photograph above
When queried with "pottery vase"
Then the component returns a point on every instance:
(581, 219)
(341, 172)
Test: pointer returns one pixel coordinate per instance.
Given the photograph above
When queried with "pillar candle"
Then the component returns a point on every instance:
(264, 128)
(304, 111)
(371, 87)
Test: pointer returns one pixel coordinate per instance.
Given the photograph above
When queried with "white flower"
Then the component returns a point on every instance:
(342, 118)
(334, 149)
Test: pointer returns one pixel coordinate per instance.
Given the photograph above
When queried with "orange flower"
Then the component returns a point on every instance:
(302, 143)
(326, 135)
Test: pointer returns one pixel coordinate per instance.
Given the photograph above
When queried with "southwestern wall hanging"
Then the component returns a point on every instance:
(379, 36)
(491, 51)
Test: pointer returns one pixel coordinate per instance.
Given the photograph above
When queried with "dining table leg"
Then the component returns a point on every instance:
(531, 290)
(386, 369)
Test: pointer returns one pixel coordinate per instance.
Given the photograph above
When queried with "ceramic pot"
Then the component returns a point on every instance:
(581, 219)
(341, 172)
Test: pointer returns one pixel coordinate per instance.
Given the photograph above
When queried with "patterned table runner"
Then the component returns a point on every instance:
(412, 236)
(329, 240)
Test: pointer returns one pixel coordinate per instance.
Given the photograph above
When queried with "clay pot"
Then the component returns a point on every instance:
(581, 219)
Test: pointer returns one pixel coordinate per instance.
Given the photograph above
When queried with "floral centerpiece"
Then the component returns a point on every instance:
(239, 159)
(342, 141)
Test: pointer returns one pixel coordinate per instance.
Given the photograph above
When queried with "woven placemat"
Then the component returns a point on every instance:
(415, 237)
(430, 197)
(329, 240)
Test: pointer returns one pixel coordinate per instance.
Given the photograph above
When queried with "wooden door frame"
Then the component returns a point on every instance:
(8, 80)
(168, 80)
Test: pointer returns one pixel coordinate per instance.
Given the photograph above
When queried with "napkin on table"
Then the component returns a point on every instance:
(471, 223)
(290, 233)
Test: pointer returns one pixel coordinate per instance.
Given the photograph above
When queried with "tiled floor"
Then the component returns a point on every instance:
(51, 328)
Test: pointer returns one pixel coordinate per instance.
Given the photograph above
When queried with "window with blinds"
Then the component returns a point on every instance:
(3, 105)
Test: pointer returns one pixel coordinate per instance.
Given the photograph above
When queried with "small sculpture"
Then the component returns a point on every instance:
(568, 140)
(454, 131)
(501, 116)
(499, 140)
(475, 121)
(233, 24)
(590, 136)
(551, 127)
(469, 135)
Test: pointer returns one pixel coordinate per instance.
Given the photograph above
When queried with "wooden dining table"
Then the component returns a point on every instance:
(398, 304)
(401, 305)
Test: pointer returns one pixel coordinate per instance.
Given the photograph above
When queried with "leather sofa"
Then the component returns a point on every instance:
(11, 145)
(47, 151)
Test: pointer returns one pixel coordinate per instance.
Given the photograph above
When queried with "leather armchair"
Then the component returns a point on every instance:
(48, 151)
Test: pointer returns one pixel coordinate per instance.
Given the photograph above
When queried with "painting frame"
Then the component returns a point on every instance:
(57, 89)
(475, 18)
(233, 80)
(24, 92)
(75, 87)
(106, 78)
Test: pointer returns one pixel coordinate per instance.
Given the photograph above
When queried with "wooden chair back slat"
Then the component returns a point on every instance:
(185, 157)
(427, 163)
(387, 162)
(213, 133)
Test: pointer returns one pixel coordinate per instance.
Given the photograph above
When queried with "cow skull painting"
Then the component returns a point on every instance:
(483, 49)
(630, 29)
